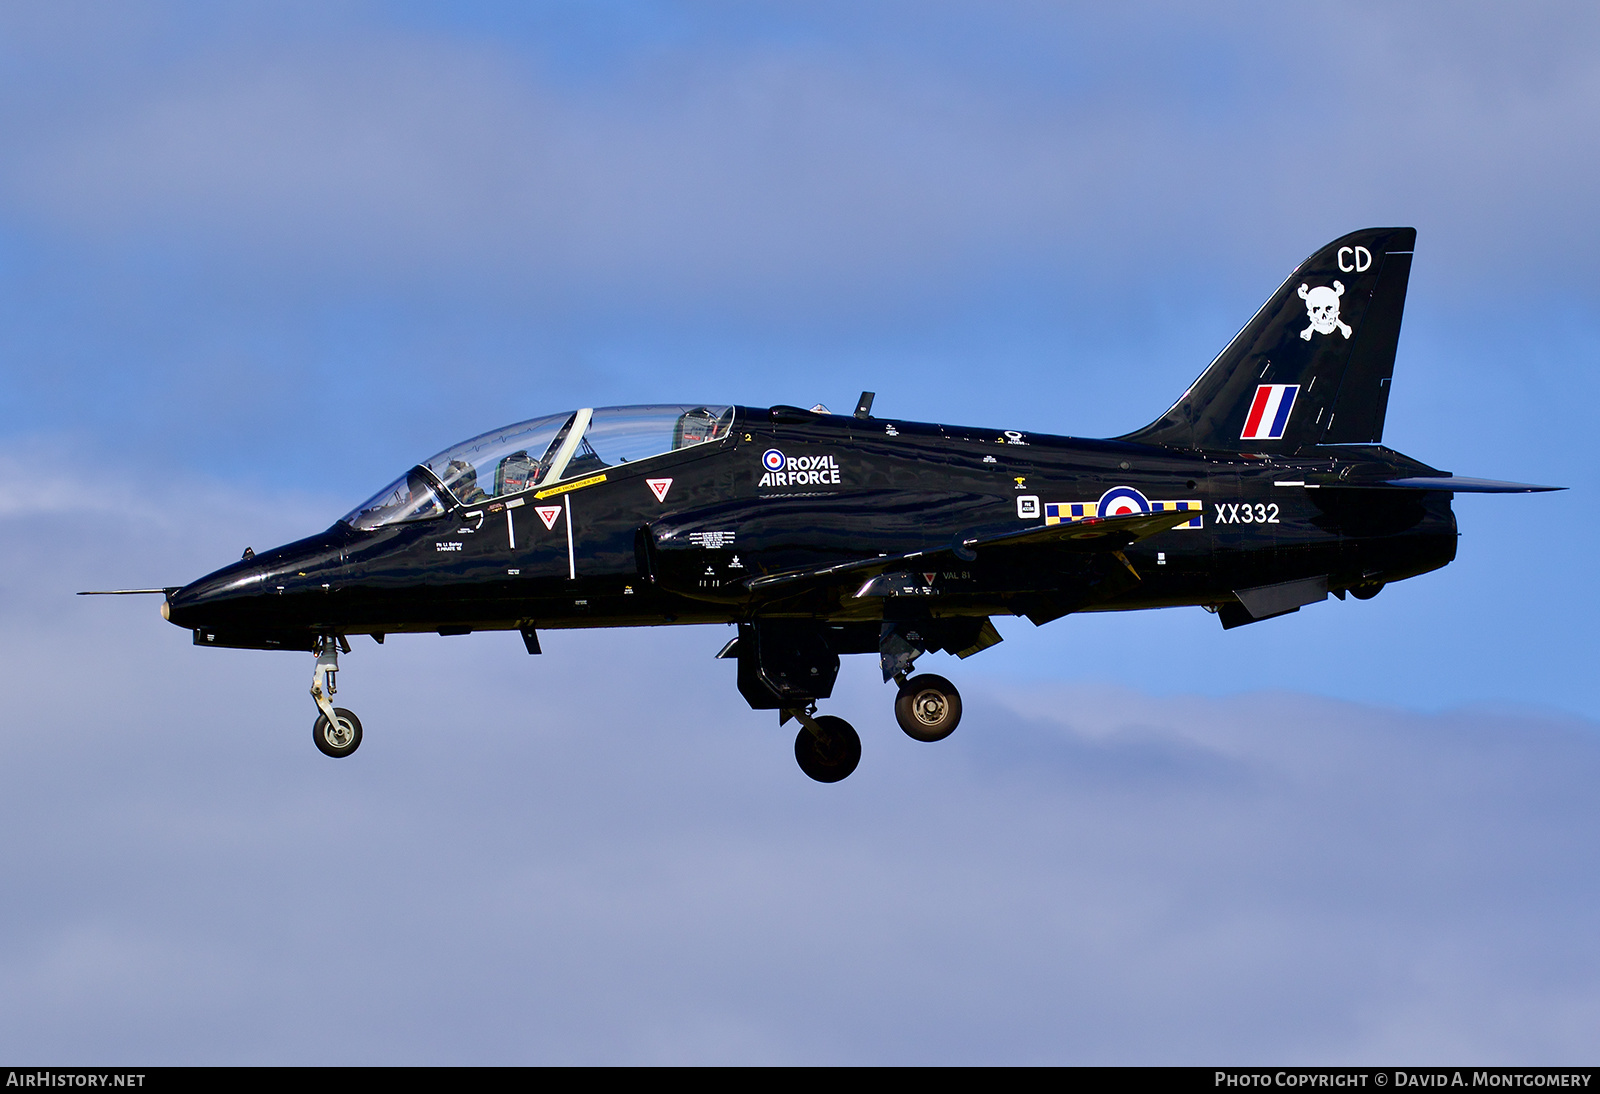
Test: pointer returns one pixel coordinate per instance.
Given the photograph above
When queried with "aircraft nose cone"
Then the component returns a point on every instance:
(265, 591)
(205, 602)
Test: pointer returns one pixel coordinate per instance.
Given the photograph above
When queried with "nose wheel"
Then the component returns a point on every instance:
(337, 731)
(928, 708)
(337, 739)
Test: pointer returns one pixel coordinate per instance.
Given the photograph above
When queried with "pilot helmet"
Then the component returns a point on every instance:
(461, 477)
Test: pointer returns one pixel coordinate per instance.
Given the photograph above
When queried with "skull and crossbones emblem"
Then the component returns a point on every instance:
(1322, 308)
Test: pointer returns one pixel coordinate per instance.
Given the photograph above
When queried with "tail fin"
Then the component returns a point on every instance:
(1312, 366)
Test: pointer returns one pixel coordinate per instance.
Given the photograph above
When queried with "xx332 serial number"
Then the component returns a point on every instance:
(1244, 512)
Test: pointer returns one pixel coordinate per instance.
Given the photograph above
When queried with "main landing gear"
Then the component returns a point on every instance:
(337, 731)
(827, 748)
(789, 665)
(928, 707)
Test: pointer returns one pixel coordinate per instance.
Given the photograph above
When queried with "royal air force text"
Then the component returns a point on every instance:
(804, 471)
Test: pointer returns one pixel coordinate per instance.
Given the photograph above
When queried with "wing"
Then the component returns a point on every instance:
(1107, 535)
(1043, 571)
(1460, 485)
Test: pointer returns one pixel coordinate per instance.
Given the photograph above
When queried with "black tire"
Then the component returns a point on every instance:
(832, 758)
(928, 708)
(1367, 592)
(337, 744)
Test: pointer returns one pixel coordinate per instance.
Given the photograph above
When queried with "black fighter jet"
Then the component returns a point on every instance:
(1263, 489)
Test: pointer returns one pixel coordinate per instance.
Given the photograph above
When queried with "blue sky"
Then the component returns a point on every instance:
(256, 259)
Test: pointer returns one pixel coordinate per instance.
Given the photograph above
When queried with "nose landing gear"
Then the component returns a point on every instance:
(337, 731)
(337, 739)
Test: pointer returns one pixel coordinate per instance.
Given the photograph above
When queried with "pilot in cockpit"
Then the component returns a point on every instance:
(462, 479)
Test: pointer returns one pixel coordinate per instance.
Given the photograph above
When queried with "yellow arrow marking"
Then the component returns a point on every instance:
(568, 487)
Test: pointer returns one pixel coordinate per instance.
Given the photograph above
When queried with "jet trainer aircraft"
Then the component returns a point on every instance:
(1263, 489)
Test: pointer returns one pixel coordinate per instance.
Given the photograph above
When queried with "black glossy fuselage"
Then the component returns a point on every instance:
(788, 490)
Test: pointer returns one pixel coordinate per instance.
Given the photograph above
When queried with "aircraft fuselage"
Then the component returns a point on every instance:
(676, 539)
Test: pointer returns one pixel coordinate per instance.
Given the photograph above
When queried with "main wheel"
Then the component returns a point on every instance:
(337, 741)
(928, 708)
(1366, 592)
(832, 757)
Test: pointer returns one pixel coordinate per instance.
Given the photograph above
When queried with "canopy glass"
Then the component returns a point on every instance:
(538, 452)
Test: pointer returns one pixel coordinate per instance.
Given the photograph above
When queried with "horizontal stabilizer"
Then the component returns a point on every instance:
(1461, 485)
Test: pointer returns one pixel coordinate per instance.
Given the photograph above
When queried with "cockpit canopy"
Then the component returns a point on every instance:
(538, 452)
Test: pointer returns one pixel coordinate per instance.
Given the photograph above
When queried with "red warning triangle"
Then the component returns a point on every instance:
(659, 487)
(929, 577)
(548, 514)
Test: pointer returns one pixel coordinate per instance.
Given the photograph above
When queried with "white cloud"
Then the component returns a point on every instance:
(835, 166)
(600, 855)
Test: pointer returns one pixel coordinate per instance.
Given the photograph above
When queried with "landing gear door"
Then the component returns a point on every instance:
(785, 663)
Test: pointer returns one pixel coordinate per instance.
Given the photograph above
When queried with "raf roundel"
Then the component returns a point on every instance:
(773, 460)
(1119, 501)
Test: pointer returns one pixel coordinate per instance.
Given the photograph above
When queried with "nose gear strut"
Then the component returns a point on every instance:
(337, 731)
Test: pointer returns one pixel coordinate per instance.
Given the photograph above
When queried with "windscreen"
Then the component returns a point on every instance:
(410, 497)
